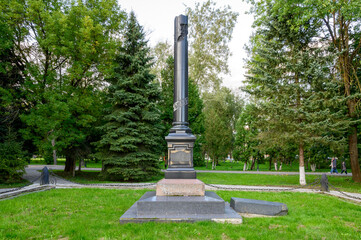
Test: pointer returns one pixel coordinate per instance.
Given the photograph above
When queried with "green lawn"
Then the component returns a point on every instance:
(15, 185)
(94, 214)
(234, 166)
(344, 183)
(61, 161)
(223, 166)
(89, 176)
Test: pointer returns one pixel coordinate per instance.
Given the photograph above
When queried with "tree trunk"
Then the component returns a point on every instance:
(70, 164)
(79, 169)
(302, 165)
(213, 163)
(245, 166)
(275, 163)
(355, 166)
(280, 167)
(54, 151)
(313, 167)
(253, 162)
(352, 144)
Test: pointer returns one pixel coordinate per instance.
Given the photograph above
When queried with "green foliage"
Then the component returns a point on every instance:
(64, 50)
(12, 153)
(210, 30)
(246, 143)
(221, 110)
(161, 52)
(12, 163)
(338, 31)
(290, 76)
(130, 145)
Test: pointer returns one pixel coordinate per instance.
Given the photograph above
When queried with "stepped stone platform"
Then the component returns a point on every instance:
(209, 207)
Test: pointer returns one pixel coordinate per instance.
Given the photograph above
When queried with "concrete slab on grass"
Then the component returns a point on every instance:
(251, 206)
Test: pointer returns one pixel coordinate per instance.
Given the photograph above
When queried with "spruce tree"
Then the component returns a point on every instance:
(12, 154)
(132, 133)
(289, 75)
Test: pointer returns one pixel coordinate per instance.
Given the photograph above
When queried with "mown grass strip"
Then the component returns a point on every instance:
(94, 214)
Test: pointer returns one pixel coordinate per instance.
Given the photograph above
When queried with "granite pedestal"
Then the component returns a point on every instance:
(209, 207)
(180, 187)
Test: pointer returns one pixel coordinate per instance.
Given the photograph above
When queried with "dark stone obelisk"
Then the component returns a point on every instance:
(180, 140)
(180, 196)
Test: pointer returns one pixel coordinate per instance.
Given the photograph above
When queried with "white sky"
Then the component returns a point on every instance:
(157, 18)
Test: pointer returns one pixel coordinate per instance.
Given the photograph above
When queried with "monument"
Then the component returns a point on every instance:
(180, 196)
(180, 139)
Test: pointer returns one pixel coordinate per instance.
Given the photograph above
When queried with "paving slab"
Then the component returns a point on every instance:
(252, 206)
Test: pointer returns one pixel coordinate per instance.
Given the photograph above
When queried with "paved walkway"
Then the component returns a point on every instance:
(59, 167)
(33, 174)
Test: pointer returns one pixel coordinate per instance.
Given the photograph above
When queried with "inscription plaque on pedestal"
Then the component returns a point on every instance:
(181, 155)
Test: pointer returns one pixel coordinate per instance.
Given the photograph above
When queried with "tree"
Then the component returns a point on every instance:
(64, 50)
(210, 30)
(161, 52)
(221, 109)
(12, 154)
(246, 143)
(339, 26)
(288, 73)
(132, 135)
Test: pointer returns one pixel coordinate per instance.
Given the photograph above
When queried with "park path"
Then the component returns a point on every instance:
(33, 175)
(60, 167)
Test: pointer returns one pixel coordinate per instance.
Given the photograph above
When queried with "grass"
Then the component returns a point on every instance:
(234, 166)
(22, 183)
(344, 183)
(61, 162)
(89, 176)
(223, 166)
(94, 214)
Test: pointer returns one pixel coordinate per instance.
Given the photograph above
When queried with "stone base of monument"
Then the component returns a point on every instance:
(180, 187)
(153, 208)
(180, 173)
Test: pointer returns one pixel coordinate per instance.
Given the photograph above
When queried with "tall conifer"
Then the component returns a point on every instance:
(130, 144)
(288, 74)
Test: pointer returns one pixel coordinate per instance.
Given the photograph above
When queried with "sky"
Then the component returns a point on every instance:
(157, 18)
